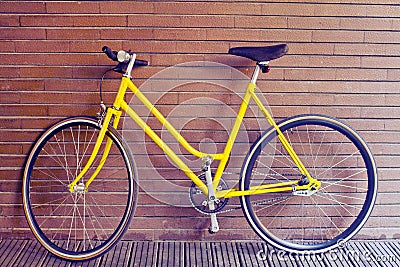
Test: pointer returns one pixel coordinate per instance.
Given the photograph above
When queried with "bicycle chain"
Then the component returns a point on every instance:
(236, 208)
(254, 204)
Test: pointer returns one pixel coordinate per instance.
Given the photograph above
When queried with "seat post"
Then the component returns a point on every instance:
(255, 74)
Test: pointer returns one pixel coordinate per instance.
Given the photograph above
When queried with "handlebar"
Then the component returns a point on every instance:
(113, 56)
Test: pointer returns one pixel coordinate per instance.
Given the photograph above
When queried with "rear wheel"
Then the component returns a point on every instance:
(334, 154)
(83, 224)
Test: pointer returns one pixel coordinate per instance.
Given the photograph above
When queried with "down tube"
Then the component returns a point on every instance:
(146, 128)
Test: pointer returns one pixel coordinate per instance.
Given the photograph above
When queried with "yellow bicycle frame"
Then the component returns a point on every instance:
(120, 104)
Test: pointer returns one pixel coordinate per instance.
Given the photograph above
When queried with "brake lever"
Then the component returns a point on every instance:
(120, 67)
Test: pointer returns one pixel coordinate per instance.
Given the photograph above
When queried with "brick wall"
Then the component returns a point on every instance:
(344, 61)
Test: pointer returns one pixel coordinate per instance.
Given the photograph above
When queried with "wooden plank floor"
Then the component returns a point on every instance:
(246, 253)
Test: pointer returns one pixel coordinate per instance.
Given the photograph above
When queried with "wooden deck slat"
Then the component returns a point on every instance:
(367, 255)
(10, 251)
(395, 249)
(33, 253)
(118, 256)
(207, 254)
(385, 254)
(168, 254)
(138, 253)
(242, 249)
(374, 250)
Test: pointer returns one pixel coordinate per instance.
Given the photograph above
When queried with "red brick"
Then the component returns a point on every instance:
(265, 21)
(313, 23)
(337, 36)
(10, 72)
(229, 8)
(381, 112)
(7, 46)
(363, 24)
(332, 61)
(102, 21)
(127, 34)
(59, 98)
(19, 85)
(22, 34)
(22, 7)
(70, 59)
(126, 7)
(10, 98)
(383, 11)
(382, 37)
(7, 123)
(9, 20)
(393, 75)
(72, 7)
(22, 59)
(87, 72)
(310, 74)
(341, 112)
(93, 45)
(34, 123)
(200, 21)
(200, 47)
(312, 48)
(360, 49)
(168, 60)
(361, 74)
(181, 34)
(181, 8)
(46, 72)
(23, 110)
(380, 62)
(340, 10)
(43, 46)
(49, 21)
(76, 110)
(72, 85)
(287, 9)
(73, 34)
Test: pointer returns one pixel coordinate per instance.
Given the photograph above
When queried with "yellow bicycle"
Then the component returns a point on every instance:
(307, 184)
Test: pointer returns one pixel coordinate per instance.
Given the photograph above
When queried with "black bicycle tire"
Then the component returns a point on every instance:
(361, 218)
(132, 200)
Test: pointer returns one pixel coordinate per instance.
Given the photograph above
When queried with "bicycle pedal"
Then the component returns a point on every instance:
(214, 224)
(212, 231)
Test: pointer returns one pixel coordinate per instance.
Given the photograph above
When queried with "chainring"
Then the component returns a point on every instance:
(200, 201)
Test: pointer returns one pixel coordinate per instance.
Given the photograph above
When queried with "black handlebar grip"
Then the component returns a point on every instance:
(139, 62)
(111, 54)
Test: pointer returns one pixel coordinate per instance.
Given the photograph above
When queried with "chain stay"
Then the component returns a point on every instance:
(255, 204)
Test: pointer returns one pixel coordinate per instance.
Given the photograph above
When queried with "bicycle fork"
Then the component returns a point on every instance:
(110, 113)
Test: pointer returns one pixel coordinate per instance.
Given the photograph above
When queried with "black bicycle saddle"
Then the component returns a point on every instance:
(259, 54)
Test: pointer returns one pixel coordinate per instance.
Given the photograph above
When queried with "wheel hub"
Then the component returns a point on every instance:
(80, 188)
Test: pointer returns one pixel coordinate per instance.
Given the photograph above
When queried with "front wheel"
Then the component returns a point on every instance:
(334, 154)
(83, 224)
